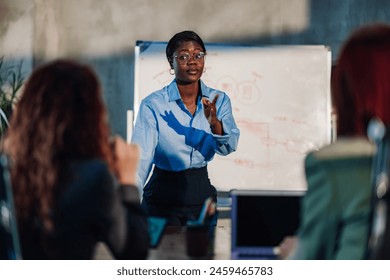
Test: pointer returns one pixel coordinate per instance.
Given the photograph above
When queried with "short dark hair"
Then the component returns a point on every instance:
(181, 37)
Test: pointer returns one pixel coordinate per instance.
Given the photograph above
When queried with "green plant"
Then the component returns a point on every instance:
(11, 80)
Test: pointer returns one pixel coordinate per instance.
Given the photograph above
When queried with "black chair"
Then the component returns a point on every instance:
(9, 238)
(379, 239)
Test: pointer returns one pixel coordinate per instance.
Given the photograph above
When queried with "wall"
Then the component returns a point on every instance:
(103, 33)
(16, 33)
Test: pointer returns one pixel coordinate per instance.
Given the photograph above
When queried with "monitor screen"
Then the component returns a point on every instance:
(265, 219)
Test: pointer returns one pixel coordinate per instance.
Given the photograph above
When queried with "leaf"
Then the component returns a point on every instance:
(11, 80)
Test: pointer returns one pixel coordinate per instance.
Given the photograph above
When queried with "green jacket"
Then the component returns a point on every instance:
(336, 207)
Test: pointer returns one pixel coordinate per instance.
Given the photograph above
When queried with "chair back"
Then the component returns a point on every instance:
(9, 238)
(379, 238)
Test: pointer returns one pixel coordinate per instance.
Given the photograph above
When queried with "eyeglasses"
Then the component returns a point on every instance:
(184, 58)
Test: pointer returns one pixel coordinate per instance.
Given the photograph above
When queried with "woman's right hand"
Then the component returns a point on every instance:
(126, 158)
(287, 247)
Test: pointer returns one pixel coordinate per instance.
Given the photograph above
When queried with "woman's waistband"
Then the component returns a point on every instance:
(190, 171)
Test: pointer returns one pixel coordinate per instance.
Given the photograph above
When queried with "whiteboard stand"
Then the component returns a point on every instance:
(129, 125)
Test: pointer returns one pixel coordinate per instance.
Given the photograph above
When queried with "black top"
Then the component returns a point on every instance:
(92, 208)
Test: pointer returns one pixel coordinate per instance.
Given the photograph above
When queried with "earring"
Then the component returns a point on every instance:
(172, 71)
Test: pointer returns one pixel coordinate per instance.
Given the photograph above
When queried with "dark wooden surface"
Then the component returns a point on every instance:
(173, 245)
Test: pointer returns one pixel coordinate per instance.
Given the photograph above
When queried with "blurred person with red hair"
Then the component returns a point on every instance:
(67, 198)
(335, 219)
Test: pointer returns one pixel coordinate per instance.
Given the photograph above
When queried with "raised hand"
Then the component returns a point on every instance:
(126, 157)
(210, 112)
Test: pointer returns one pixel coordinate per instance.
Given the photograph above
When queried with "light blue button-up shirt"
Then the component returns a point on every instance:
(173, 139)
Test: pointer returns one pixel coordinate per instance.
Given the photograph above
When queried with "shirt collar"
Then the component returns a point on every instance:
(173, 91)
(205, 90)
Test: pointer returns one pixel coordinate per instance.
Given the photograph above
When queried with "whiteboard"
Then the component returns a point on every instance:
(280, 97)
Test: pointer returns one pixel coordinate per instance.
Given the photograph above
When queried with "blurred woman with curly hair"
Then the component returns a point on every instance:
(67, 197)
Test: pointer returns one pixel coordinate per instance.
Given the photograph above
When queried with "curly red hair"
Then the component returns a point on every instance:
(60, 118)
(361, 81)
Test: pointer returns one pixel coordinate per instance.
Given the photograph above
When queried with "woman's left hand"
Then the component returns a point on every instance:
(210, 111)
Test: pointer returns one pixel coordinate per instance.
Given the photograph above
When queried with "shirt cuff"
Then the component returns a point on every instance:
(221, 139)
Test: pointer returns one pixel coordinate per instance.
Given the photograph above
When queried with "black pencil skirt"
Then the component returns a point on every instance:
(178, 196)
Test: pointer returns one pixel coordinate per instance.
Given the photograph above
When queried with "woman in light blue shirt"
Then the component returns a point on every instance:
(179, 129)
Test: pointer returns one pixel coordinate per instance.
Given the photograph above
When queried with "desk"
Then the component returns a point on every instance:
(173, 244)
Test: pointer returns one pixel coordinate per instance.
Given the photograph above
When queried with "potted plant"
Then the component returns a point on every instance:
(11, 80)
